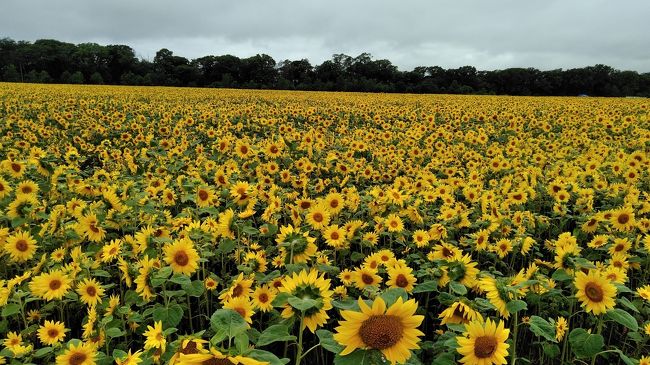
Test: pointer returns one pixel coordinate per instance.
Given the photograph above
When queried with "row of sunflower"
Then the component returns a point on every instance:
(196, 226)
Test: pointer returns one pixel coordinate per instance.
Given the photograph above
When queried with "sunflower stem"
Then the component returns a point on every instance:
(601, 320)
(513, 356)
(300, 330)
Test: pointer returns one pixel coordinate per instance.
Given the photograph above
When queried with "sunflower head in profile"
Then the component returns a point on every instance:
(308, 285)
(459, 312)
(392, 330)
(595, 291)
(483, 343)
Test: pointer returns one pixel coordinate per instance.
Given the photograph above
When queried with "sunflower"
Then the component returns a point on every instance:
(90, 291)
(334, 202)
(296, 247)
(210, 283)
(561, 326)
(142, 280)
(51, 333)
(155, 337)
(483, 343)
(80, 354)
(52, 285)
(365, 276)
(241, 191)
(493, 293)
(459, 312)
(241, 305)
(240, 287)
(214, 356)
(394, 223)
(14, 168)
(27, 187)
(335, 236)
(20, 246)
(130, 359)
(421, 238)
(182, 256)
(263, 297)
(318, 216)
(623, 219)
(595, 291)
(204, 196)
(308, 285)
(89, 226)
(5, 188)
(111, 251)
(401, 277)
(224, 227)
(393, 331)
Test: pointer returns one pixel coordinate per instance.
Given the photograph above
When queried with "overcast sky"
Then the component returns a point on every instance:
(487, 34)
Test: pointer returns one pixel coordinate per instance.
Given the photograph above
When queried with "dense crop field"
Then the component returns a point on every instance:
(202, 226)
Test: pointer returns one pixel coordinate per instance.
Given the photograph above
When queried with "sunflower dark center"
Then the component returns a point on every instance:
(91, 291)
(274, 149)
(190, 348)
(52, 333)
(381, 331)
(623, 218)
(334, 235)
(203, 195)
(401, 281)
(334, 203)
(26, 189)
(181, 258)
(93, 228)
(367, 279)
(241, 311)
(263, 298)
(594, 292)
(77, 358)
(318, 217)
(21, 245)
(485, 346)
(238, 290)
(214, 361)
(16, 167)
(55, 284)
(243, 149)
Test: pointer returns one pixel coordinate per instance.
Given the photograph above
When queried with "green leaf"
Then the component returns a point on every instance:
(241, 342)
(627, 304)
(170, 317)
(328, 342)
(114, 332)
(458, 288)
(43, 351)
(427, 286)
(10, 309)
(551, 350)
(302, 304)
(390, 296)
(275, 333)
(561, 275)
(226, 246)
(585, 344)
(262, 355)
(181, 279)
(624, 318)
(119, 354)
(194, 288)
(359, 357)
(625, 359)
(226, 323)
(515, 306)
(542, 327)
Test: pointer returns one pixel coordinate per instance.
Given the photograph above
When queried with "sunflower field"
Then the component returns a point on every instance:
(213, 226)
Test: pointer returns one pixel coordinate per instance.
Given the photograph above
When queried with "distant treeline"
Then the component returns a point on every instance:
(52, 61)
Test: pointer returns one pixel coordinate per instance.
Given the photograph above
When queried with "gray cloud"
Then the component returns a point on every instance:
(486, 34)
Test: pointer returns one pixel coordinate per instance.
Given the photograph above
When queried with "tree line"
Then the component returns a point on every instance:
(52, 61)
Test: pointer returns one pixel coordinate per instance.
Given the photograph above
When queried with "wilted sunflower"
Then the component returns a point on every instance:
(392, 331)
(182, 256)
(483, 343)
(595, 292)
